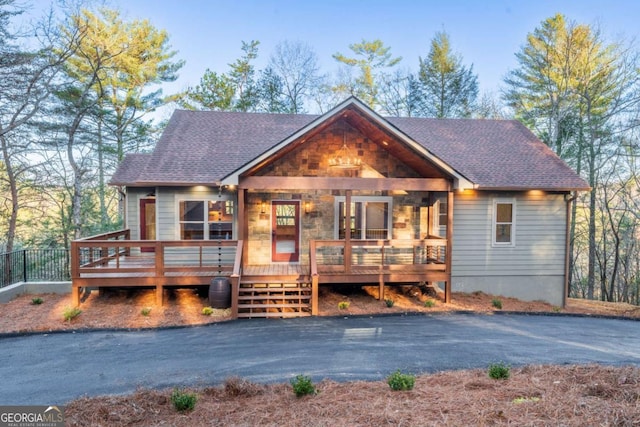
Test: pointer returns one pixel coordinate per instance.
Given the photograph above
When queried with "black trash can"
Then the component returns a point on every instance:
(220, 293)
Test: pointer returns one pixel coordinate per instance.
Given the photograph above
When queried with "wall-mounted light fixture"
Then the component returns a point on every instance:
(307, 207)
(263, 207)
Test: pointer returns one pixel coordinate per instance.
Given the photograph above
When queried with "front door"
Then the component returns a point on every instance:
(285, 231)
(147, 222)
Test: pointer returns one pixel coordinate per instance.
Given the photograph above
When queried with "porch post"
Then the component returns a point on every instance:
(447, 284)
(347, 232)
(243, 229)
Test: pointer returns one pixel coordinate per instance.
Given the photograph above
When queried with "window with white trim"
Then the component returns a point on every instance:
(504, 223)
(205, 219)
(370, 218)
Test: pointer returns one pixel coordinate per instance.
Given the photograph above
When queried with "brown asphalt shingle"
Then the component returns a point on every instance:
(203, 147)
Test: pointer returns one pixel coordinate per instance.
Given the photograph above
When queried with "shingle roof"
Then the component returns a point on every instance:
(130, 168)
(203, 147)
(501, 154)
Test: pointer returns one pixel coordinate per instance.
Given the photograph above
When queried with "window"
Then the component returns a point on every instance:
(442, 213)
(504, 222)
(216, 225)
(370, 218)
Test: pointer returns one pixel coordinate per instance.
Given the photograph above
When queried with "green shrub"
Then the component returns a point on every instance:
(302, 385)
(183, 401)
(36, 301)
(389, 302)
(399, 381)
(429, 303)
(499, 371)
(70, 313)
(496, 303)
(343, 305)
(207, 311)
(145, 311)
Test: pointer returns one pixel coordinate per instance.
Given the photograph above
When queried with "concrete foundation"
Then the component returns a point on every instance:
(30, 288)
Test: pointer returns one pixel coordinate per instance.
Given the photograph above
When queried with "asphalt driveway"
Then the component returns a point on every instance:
(55, 368)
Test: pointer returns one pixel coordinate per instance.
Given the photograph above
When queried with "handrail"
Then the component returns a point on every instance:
(108, 236)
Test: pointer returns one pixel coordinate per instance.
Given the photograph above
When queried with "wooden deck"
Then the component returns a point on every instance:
(113, 260)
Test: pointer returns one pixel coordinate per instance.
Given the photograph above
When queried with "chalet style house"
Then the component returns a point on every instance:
(281, 204)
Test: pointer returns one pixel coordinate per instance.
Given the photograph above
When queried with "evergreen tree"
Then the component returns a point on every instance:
(447, 88)
(370, 56)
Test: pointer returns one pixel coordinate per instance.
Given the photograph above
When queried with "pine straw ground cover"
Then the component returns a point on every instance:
(124, 308)
(531, 396)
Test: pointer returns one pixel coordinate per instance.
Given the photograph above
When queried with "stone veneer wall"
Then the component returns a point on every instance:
(319, 223)
(311, 159)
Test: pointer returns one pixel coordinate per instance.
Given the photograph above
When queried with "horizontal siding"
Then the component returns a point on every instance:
(539, 233)
(133, 209)
(167, 208)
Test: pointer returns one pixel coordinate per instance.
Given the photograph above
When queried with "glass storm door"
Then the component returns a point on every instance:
(285, 231)
(147, 222)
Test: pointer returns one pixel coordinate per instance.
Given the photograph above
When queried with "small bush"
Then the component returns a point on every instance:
(183, 401)
(207, 311)
(498, 371)
(389, 302)
(36, 301)
(70, 313)
(146, 311)
(302, 385)
(343, 305)
(496, 303)
(429, 303)
(399, 381)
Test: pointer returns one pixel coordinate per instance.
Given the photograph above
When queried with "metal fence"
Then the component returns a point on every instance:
(34, 265)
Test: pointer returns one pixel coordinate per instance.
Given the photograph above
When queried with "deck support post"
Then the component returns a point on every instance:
(235, 292)
(381, 288)
(75, 295)
(314, 295)
(159, 256)
(159, 295)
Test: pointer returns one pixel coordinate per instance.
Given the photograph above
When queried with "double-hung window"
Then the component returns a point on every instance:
(205, 219)
(504, 223)
(370, 218)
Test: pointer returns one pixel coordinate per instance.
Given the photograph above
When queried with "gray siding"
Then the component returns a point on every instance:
(533, 269)
(167, 206)
(133, 209)
(539, 236)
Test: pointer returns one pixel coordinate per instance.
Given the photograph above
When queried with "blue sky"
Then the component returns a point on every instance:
(487, 33)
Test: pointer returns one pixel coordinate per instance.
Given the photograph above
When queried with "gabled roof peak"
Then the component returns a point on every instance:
(210, 148)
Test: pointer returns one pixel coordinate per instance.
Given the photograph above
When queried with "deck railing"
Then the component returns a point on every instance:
(338, 256)
(114, 260)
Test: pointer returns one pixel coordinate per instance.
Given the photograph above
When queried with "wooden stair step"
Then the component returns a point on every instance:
(274, 297)
(262, 285)
(279, 315)
(247, 306)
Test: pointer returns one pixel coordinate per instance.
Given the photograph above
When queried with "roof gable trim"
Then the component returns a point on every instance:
(460, 182)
